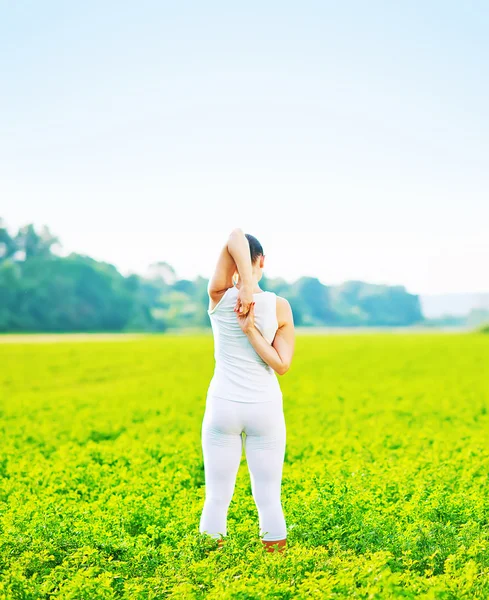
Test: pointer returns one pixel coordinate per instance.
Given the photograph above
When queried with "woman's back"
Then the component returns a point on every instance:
(240, 374)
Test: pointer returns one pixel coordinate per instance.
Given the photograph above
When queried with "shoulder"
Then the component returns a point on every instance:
(284, 311)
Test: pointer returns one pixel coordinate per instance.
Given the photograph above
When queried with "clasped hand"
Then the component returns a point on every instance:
(246, 321)
(244, 309)
(244, 300)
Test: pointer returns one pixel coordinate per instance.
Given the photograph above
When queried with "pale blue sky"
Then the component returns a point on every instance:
(351, 138)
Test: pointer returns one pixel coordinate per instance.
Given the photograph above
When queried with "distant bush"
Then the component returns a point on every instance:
(484, 328)
(42, 291)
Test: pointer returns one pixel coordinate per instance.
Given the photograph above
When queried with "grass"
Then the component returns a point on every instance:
(385, 486)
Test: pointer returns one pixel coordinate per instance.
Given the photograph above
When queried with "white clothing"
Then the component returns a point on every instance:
(263, 424)
(240, 374)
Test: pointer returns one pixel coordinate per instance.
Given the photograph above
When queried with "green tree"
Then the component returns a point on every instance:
(33, 243)
(8, 244)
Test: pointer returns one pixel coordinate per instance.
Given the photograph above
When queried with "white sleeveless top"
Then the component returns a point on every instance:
(240, 373)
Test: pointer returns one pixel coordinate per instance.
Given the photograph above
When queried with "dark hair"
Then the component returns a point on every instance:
(256, 249)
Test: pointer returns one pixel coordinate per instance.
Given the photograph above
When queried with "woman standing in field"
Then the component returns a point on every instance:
(253, 340)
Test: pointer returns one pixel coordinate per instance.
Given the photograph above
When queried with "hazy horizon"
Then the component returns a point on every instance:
(144, 271)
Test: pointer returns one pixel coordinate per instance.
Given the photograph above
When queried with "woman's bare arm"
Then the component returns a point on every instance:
(277, 355)
(234, 256)
(239, 249)
(222, 279)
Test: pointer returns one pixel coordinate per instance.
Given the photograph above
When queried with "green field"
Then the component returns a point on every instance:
(385, 485)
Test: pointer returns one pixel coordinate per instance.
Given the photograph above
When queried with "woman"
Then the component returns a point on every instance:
(253, 340)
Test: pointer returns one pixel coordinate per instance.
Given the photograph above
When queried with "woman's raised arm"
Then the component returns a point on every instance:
(222, 278)
(233, 250)
(235, 256)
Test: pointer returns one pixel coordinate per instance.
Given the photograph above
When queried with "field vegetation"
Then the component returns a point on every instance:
(385, 485)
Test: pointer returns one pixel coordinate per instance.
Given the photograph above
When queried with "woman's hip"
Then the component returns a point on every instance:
(254, 418)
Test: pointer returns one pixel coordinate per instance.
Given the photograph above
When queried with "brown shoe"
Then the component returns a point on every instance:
(275, 545)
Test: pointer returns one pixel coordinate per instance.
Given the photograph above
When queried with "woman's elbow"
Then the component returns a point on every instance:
(237, 231)
(283, 368)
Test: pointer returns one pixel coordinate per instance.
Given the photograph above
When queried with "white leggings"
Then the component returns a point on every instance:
(222, 444)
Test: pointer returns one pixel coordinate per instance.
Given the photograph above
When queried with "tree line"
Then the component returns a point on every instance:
(41, 291)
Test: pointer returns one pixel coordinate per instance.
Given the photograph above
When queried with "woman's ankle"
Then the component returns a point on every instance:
(275, 545)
